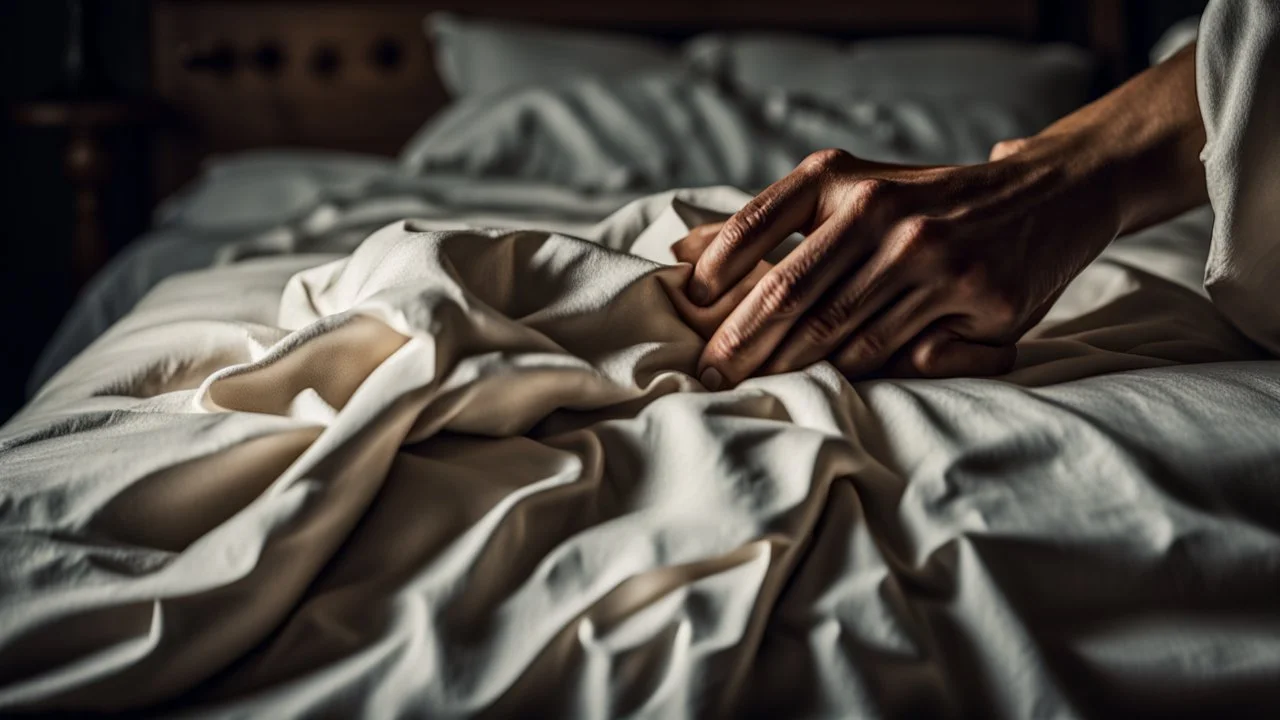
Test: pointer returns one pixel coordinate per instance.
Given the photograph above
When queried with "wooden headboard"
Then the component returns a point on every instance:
(359, 76)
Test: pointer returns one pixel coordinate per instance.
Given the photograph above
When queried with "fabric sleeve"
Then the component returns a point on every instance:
(1238, 83)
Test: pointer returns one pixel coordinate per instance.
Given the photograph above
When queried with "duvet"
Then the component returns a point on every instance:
(464, 472)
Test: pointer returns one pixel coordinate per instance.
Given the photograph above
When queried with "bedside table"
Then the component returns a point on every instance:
(86, 160)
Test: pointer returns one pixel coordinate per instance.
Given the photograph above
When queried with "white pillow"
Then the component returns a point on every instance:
(642, 132)
(764, 61)
(1045, 80)
(476, 57)
(658, 131)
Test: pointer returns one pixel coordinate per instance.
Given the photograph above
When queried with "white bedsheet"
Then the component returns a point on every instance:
(464, 471)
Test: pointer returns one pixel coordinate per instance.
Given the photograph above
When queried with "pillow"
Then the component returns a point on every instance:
(647, 131)
(658, 131)
(764, 62)
(1045, 80)
(476, 57)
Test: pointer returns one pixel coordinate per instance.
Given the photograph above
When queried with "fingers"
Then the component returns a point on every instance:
(906, 258)
(691, 247)
(760, 323)
(745, 239)
(705, 320)
(826, 326)
(871, 346)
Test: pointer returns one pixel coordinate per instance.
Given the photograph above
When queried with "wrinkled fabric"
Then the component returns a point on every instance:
(655, 131)
(463, 472)
(1238, 83)
(466, 472)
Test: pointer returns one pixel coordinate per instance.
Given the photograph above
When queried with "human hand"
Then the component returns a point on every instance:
(935, 353)
(907, 270)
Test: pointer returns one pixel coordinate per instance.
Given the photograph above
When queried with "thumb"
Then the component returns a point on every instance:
(941, 353)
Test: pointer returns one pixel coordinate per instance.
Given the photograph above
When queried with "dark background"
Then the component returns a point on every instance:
(36, 286)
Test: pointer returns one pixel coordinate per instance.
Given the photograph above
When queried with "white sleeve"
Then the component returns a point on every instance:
(1238, 82)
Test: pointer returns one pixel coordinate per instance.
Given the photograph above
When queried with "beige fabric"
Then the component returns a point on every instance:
(462, 472)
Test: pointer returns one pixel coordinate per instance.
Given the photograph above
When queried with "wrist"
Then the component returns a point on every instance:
(1140, 145)
(1087, 178)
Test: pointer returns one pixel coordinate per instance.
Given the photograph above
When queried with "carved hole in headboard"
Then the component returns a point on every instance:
(219, 59)
(325, 61)
(268, 58)
(386, 54)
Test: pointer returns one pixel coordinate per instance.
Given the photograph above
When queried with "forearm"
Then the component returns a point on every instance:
(1141, 143)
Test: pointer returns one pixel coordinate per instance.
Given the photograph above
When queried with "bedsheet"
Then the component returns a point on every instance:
(463, 472)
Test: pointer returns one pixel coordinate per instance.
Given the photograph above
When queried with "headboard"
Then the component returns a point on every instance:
(358, 76)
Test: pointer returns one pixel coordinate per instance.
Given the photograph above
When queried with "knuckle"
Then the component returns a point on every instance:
(869, 191)
(829, 324)
(1005, 148)
(722, 348)
(872, 192)
(824, 328)
(925, 232)
(753, 216)
(828, 159)
(868, 347)
(779, 293)
(735, 232)
(922, 239)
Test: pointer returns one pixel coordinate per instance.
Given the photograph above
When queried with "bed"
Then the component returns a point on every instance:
(420, 438)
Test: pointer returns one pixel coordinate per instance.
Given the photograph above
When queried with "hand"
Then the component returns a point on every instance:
(930, 271)
(946, 267)
(936, 353)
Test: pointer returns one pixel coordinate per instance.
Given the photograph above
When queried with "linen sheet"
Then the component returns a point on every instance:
(463, 472)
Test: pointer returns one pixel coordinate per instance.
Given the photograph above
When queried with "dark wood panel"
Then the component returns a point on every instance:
(212, 61)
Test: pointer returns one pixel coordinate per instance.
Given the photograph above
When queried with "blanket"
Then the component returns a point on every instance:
(468, 472)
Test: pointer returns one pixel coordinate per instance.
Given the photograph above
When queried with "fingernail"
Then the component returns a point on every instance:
(711, 379)
(698, 294)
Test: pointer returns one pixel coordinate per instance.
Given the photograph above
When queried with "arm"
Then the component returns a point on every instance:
(938, 271)
(1145, 137)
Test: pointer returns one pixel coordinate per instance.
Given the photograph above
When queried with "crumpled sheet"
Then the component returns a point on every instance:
(468, 472)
